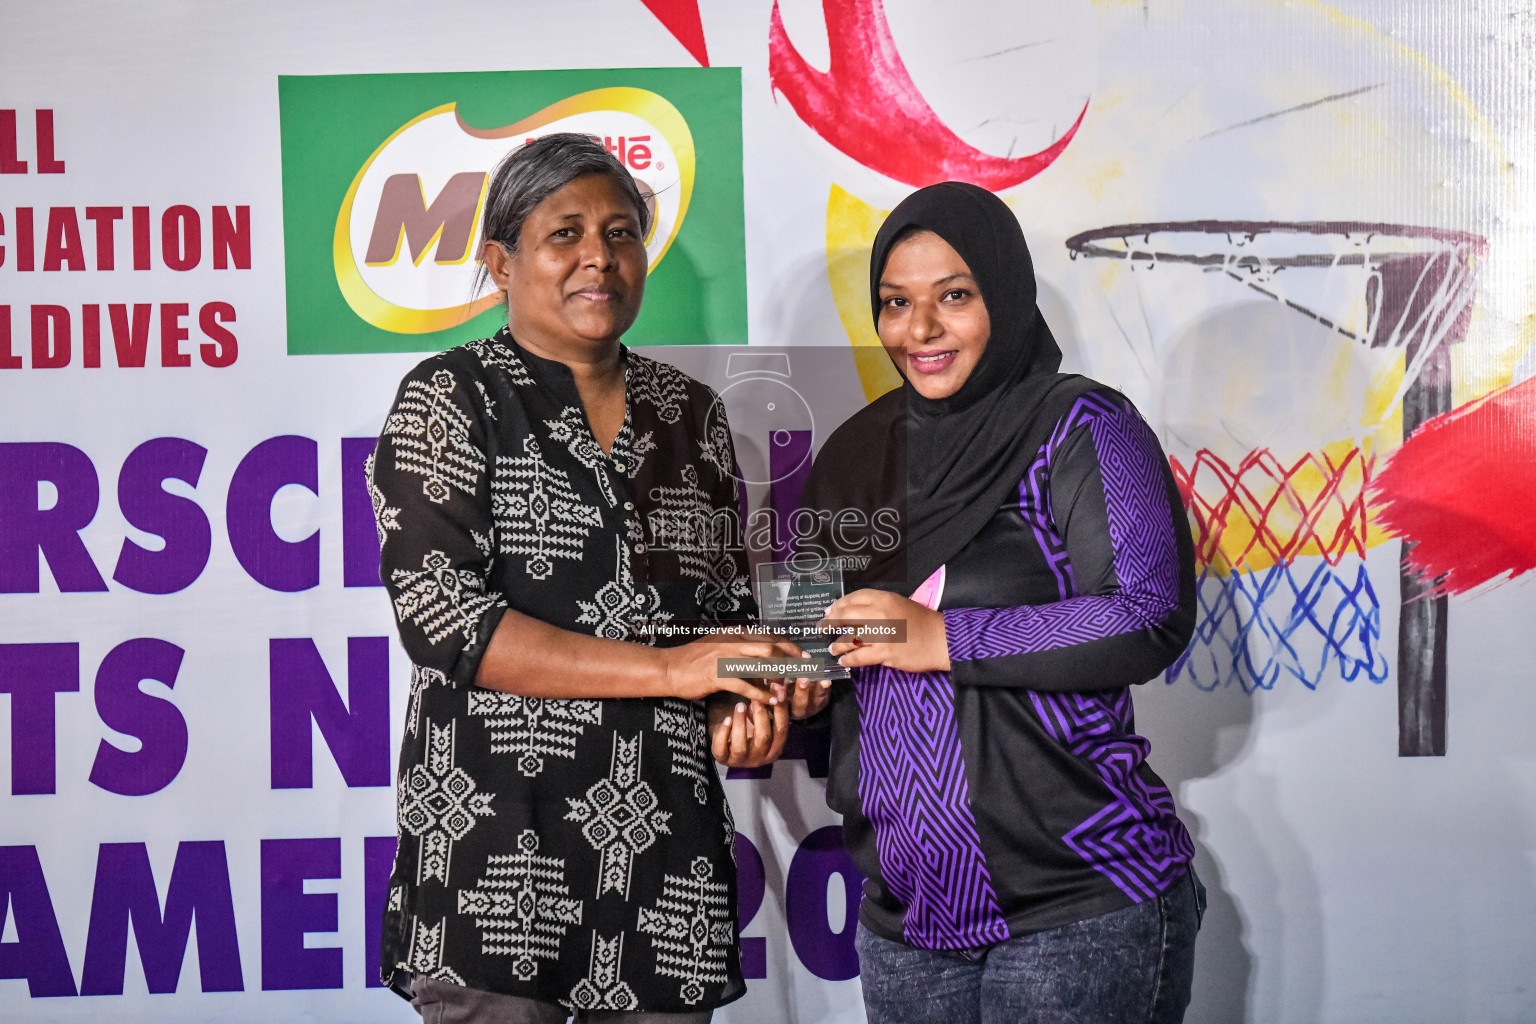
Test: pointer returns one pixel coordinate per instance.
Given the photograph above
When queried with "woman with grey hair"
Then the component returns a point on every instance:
(565, 842)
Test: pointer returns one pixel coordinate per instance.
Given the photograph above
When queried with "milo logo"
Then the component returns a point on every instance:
(410, 222)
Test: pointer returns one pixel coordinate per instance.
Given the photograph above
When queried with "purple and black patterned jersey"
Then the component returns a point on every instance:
(1012, 794)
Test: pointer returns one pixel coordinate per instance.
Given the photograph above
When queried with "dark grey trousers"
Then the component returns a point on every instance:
(442, 1002)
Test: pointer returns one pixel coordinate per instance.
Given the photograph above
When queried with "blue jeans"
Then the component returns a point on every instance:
(1131, 966)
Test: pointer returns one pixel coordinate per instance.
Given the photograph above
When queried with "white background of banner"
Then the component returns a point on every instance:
(1347, 884)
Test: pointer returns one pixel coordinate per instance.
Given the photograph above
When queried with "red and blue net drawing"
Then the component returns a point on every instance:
(1283, 590)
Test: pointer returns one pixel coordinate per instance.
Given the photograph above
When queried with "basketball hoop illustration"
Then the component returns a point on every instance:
(1397, 291)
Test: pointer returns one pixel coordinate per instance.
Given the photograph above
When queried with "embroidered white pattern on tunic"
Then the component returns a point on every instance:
(571, 430)
(681, 722)
(421, 678)
(522, 906)
(643, 446)
(425, 955)
(384, 517)
(429, 434)
(661, 385)
(537, 512)
(617, 603)
(717, 600)
(620, 816)
(482, 544)
(501, 357)
(684, 522)
(715, 445)
(532, 727)
(438, 803)
(691, 929)
(602, 988)
(440, 599)
(486, 399)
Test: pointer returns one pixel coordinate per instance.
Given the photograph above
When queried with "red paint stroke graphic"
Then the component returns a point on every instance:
(681, 17)
(1314, 505)
(1460, 490)
(867, 106)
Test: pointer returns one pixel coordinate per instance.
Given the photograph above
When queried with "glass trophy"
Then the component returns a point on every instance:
(791, 600)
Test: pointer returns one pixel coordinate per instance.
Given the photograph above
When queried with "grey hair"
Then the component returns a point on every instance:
(533, 172)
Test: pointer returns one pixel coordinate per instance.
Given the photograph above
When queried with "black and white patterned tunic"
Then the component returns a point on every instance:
(575, 851)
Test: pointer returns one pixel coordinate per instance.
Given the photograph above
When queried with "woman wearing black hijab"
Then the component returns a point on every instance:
(1023, 861)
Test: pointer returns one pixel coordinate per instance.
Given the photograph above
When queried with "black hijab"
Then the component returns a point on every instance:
(963, 454)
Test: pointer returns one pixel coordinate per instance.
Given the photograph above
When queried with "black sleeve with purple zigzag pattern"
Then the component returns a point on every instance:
(1127, 605)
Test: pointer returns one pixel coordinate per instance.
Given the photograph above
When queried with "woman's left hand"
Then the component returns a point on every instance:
(926, 648)
(746, 734)
(805, 697)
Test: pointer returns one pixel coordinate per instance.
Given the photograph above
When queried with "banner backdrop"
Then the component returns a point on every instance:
(1297, 234)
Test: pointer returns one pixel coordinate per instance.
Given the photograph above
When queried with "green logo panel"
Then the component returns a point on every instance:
(384, 176)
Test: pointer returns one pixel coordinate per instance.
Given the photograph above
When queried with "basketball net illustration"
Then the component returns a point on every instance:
(1401, 295)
